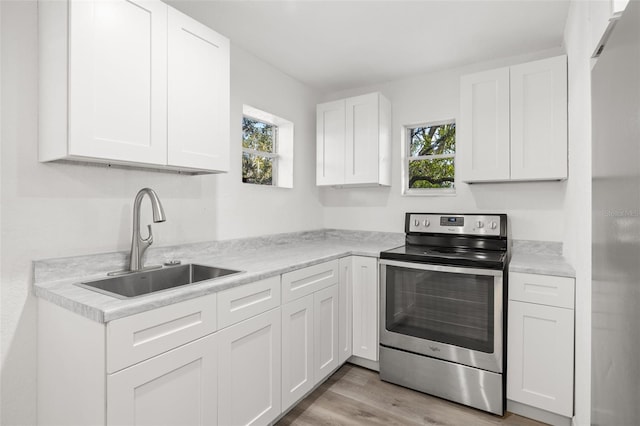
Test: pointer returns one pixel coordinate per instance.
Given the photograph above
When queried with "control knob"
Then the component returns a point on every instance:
(426, 223)
(494, 225)
(480, 224)
(416, 222)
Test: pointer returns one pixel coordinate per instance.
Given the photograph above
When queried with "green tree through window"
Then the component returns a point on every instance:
(431, 156)
(259, 140)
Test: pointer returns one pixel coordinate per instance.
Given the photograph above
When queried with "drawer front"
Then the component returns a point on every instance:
(308, 280)
(147, 334)
(240, 303)
(542, 289)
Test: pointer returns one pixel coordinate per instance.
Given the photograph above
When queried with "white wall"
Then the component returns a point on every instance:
(240, 208)
(535, 210)
(54, 210)
(579, 45)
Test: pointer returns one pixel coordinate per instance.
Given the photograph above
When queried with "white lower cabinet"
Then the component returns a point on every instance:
(297, 350)
(365, 307)
(345, 300)
(249, 374)
(175, 388)
(325, 332)
(540, 343)
(237, 357)
(309, 342)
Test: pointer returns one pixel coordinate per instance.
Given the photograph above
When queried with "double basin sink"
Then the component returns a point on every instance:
(145, 282)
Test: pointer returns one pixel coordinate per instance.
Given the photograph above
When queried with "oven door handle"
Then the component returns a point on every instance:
(441, 268)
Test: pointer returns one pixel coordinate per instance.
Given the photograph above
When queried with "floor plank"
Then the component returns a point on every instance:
(357, 396)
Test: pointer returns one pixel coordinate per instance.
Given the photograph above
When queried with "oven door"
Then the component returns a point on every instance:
(445, 312)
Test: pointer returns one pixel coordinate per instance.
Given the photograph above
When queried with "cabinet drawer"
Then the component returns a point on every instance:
(240, 303)
(147, 334)
(541, 289)
(308, 280)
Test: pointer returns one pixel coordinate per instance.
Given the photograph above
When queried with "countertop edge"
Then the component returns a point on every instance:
(160, 299)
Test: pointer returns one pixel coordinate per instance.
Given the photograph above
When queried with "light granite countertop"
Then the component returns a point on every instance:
(539, 257)
(259, 258)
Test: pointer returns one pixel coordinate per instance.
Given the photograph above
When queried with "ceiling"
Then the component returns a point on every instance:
(336, 45)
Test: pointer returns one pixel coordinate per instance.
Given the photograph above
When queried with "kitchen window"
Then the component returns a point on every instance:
(267, 149)
(429, 165)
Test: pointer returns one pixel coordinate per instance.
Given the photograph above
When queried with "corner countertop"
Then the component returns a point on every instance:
(539, 257)
(259, 258)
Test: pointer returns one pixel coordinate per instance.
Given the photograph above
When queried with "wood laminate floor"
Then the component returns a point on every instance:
(357, 396)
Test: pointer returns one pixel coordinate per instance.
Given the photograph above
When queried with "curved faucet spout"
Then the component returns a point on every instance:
(138, 244)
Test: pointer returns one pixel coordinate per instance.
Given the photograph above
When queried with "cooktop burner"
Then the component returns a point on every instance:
(447, 256)
(469, 240)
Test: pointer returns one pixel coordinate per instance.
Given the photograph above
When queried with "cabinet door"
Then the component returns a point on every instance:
(346, 309)
(483, 142)
(325, 333)
(540, 354)
(175, 388)
(361, 140)
(198, 91)
(297, 350)
(365, 307)
(539, 119)
(330, 140)
(249, 371)
(118, 80)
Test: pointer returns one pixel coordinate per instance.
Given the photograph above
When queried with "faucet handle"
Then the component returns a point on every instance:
(149, 239)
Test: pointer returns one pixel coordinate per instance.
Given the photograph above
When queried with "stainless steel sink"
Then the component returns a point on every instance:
(145, 282)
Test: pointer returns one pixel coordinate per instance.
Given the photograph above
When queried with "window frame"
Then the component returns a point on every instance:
(273, 155)
(407, 158)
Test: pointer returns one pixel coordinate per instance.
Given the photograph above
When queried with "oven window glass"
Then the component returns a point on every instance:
(452, 308)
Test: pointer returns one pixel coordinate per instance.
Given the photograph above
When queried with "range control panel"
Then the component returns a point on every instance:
(469, 224)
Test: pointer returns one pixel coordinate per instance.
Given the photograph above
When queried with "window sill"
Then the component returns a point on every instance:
(429, 192)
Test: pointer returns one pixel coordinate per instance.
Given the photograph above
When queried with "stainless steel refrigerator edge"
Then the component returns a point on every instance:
(615, 365)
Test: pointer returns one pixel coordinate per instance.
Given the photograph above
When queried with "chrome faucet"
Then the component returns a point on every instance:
(138, 244)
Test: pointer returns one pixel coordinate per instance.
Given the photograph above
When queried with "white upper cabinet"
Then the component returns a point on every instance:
(354, 141)
(484, 129)
(330, 140)
(198, 123)
(132, 83)
(539, 120)
(513, 124)
(603, 16)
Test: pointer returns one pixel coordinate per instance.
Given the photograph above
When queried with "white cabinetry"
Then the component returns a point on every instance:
(540, 342)
(176, 388)
(513, 123)
(325, 332)
(354, 141)
(249, 373)
(310, 329)
(152, 366)
(603, 16)
(118, 81)
(297, 350)
(365, 307)
(346, 309)
(198, 94)
(241, 356)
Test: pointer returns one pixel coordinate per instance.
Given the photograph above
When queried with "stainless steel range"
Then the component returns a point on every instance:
(442, 319)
